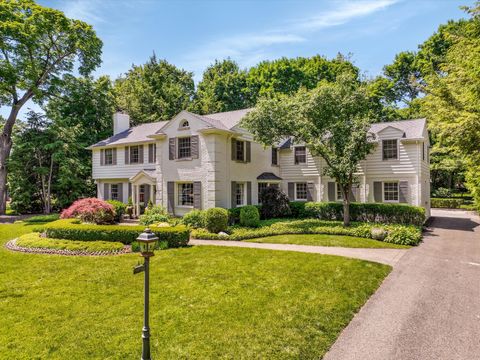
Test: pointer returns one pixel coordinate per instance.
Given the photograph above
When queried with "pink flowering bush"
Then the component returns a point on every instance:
(90, 210)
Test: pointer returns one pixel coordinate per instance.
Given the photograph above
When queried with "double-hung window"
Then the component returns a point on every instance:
(390, 149)
(240, 150)
(390, 191)
(301, 191)
(185, 194)
(134, 154)
(240, 194)
(300, 154)
(114, 191)
(339, 193)
(108, 156)
(184, 147)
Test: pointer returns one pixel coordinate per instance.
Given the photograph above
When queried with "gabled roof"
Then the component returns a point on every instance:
(135, 134)
(413, 129)
(268, 176)
(228, 119)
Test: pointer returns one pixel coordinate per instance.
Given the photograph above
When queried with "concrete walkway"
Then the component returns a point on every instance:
(428, 308)
(384, 256)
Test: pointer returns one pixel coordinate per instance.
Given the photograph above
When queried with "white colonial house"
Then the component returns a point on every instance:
(204, 161)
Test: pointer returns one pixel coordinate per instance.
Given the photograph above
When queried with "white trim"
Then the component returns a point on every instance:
(176, 193)
(306, 189)
(398, 149)
(398, 191)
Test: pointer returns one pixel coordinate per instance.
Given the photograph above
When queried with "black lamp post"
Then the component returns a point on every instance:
(147, 241)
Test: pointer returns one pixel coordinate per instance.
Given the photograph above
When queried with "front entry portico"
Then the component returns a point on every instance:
(143, 190)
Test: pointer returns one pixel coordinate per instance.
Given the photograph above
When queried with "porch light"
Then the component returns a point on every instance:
(147, 241)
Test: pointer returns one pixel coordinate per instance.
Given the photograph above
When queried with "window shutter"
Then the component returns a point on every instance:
(234, 142)
(114, 156)
(403, 191)
(310, 191)
(127, 155)
(151, 153)
(106, 191)
(171, 148)
(332, 191)
(120, 192)
(274, 156)
(147, 195)
(249, 193)
(129, 190)
(194, 146)
(102, 157)
(377, 191)
(355, 193)
(171, 197)
(248, 156)
(140, 154)
(234, 184)
(291, 191)
(197, 194)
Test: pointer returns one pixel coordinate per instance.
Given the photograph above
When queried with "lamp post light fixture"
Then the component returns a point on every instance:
(147, 241)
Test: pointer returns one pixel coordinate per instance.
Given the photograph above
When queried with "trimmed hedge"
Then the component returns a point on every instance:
(363, 212)
(216, 219)
(72, 229)
(447, 203)
(396, 234)
(234, 214)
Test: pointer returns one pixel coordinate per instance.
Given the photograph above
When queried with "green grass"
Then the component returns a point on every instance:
(327, 240)
(206, 302)
(33, 240)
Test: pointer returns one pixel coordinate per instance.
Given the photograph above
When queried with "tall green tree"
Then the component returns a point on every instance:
(222, 88)
(332, 120)
(154, 91)
(37, 46)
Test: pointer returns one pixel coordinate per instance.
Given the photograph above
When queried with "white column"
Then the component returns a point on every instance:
(137, 194)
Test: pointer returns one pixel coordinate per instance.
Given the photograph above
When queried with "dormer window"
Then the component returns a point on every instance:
(390, 149)
(184, 125)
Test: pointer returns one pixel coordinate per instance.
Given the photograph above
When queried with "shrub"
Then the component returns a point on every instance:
(72, 229)
(249, 216)
(450, 203)
(90, 210)
(442, 193)
(234, 214)
(154, 214)
(216, 220)
(368, 212)
(120, 209)
(275, 203)
(194, 219)
(297, 209)
(34, 240)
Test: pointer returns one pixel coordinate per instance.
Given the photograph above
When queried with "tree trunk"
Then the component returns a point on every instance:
(49, 187)
(346, 211)
(5, 147)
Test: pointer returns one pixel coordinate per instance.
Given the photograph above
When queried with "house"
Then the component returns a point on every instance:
(204, 161)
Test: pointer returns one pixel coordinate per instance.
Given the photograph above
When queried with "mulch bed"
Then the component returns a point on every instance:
(12, 245)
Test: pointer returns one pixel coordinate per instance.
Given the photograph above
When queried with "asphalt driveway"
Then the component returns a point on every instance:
(429, 305)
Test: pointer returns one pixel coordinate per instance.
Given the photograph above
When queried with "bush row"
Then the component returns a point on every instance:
(72, 229)
(396, 234)
(450, 203)
(363, 212)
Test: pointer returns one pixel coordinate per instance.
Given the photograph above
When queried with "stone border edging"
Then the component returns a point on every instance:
(12, 245)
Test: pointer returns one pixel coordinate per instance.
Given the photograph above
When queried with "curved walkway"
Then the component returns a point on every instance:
(428, 308)
(384, 256)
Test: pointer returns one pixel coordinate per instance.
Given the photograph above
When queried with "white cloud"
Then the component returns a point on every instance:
(85, 10)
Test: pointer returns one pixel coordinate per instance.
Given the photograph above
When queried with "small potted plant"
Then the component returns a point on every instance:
(130, 208)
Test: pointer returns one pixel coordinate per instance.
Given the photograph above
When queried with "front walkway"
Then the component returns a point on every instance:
(428, 308)
(384, 256)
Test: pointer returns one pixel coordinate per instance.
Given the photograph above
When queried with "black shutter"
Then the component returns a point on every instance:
(274, 156)
(171, 197)
(248, 156)
(120, 192)
(146, 197)
(249, 193)
(140, 154)
(234, 142)
(197, 194)
(106, 191)
(171, 148)
(102, 157)
(310, 191)
(291, 191)
(332, 191)
(127, 155)
(129, 190)
(403, 191)
(377, 191)
(114, 151)
(233, 202)
(151, 153)
(194, 146)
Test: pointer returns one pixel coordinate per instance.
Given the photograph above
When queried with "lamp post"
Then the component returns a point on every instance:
(147, 241)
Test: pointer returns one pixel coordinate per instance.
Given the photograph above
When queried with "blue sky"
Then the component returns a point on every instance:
(192, 34)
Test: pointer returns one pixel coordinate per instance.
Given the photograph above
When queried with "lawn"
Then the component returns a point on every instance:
(33, 240)
(327, 240)
(206, 302)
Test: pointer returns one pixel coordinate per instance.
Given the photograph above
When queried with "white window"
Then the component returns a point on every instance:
(390, 191)
(390, 149)
(185, 194)
(114, 191)
(134, 154)
(108, 156)
(264, 185)
(239, 194)
(184, 147)
(339, 192)
(300, 154)
(301, 191)
(239, 150)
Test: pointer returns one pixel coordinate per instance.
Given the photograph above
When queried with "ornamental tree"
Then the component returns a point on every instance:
(38, 45)
(332, 121)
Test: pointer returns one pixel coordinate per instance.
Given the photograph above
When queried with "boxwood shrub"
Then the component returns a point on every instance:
(367, 212)
(449, 203)
(249, 216)
(72, 229)
(216, 219)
